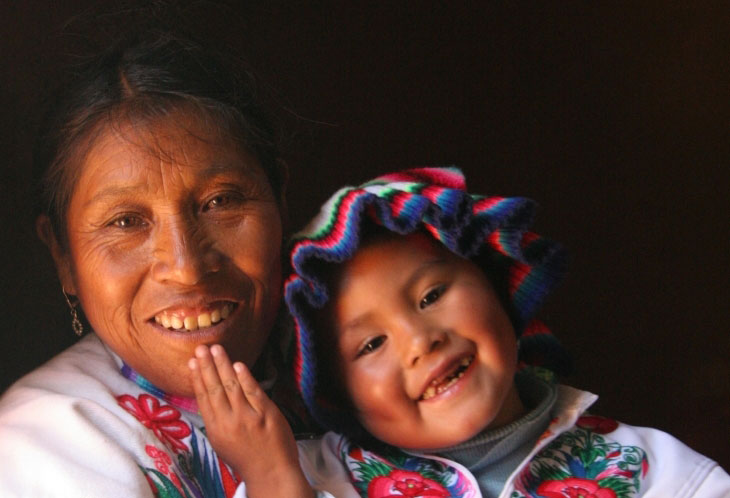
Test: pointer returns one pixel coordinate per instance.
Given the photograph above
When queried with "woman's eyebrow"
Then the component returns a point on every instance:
(114, 191)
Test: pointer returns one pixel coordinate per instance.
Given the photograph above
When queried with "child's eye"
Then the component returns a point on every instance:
(432, 296)
(371, 346)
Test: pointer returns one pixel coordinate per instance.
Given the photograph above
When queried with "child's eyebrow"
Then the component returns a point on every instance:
(423, 269)
(412, 280)
(355, 322)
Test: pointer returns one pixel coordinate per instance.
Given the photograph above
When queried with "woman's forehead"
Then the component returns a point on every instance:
(165, 151)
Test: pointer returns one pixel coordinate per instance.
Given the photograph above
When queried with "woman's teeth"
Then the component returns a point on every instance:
(190, 322)
(441, 384)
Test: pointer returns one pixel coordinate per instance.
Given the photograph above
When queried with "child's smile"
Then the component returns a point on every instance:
(427, 352)
(442, 383)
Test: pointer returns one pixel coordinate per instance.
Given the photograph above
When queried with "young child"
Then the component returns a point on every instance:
(413, 303)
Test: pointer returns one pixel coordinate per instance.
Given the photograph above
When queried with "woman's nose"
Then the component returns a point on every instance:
(183, 255)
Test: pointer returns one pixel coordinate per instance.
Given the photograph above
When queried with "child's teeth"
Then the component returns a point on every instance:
(165, 320)
(215, 316)
(440, 385)
(225, 311)
(158, 319)
(176, 323)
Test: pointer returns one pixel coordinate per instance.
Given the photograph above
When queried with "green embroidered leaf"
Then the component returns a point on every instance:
(370, 469)
(593, 470)
(589, 455)
(546, 472)
(621, 486)
(165, 488)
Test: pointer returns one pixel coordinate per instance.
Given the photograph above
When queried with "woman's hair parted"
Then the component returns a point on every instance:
(143, 77)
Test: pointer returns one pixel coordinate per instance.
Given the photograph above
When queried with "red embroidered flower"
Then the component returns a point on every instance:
(162, 463)
(163, 420)
(404, 483)
(162, 459)
(574, 487)
(599, 425)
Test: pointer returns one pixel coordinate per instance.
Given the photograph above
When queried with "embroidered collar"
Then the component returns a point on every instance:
(181, 402)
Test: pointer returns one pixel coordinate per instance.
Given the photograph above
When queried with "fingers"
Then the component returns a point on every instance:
(217, 381)
(226, 376)
(201, 393)
(251, 389)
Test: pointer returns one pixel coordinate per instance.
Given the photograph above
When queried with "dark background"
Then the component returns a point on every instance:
(614, 117)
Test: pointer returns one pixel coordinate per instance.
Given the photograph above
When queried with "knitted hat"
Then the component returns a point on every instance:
(469, 225)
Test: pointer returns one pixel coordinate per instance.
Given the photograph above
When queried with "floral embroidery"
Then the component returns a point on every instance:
(583, 463)
(163, 420)
(599, 425)
(403, 483)
(197, 474)
(395, 473)
(162, 464)
(574, 487)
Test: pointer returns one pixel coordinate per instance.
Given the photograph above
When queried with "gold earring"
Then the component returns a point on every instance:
(75, 322)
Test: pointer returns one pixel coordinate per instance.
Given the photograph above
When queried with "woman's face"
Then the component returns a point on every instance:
(174, 241)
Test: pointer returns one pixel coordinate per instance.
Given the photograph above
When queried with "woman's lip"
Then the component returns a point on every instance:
(429, 391)
(183, 308)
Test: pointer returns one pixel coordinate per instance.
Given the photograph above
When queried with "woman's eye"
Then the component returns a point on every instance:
(128, 221)
(372, 345)
(432, 296)
(219, 201)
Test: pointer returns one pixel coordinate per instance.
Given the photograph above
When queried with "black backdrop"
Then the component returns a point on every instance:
(614, 117)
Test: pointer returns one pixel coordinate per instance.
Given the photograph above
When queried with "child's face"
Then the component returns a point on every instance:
(427, 352)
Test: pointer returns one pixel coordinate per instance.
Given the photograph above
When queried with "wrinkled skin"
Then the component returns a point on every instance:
(171, 218)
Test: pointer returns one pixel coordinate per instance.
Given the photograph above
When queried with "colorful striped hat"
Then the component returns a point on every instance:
(435, 200)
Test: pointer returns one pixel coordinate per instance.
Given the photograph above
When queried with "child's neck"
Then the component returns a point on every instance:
(512, 409)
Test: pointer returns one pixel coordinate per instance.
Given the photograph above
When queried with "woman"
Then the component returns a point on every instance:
(163, 215)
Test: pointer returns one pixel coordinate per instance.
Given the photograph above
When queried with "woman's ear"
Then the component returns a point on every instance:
(61, 258)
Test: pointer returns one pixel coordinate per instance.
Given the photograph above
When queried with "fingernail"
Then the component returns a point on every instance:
(238, 367)
(216, 350)
(192, 364)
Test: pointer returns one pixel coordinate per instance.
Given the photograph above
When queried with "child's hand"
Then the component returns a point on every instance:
(245, 427)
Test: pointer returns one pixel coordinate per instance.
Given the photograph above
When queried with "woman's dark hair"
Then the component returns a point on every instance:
(145, 77)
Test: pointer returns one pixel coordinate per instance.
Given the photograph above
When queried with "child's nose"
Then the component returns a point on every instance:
(422, 340)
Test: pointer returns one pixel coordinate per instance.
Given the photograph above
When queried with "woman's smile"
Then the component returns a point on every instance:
(190, 319)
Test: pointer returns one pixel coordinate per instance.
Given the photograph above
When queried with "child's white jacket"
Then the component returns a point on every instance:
(578, 455)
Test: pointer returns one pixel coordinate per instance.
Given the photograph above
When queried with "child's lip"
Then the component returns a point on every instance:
(441, 372)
